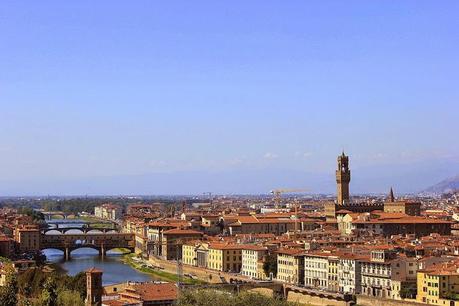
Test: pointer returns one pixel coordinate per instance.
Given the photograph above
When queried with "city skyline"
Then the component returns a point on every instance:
(180, 98)
(262, 152)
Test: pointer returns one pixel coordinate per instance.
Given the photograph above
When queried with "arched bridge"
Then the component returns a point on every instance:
(50, 214)
(65, 223)
(84, 229)
(98, 241)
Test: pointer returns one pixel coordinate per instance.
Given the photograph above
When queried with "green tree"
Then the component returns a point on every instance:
(69, 298)
(8, 293)
(36, 215)
(270, 265)
(5, 260)
(207, 297)
(48, 295)
(34, 282)
(31, 282)
(76, 283)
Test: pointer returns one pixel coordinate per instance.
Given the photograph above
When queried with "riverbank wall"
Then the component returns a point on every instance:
(200, 273)
(364, 300)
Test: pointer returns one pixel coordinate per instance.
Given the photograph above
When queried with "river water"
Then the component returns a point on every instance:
(115, 271)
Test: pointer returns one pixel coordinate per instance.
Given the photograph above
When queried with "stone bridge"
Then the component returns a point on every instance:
(57, 224)
(50, 214)
(101, 242)
(84, 229)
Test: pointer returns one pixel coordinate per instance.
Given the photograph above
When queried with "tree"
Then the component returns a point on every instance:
(77, 283)
(34, 283)
(49, 293)
(8, 293)
(36, 215)
(270, 265)
(69, 298)
(207, 297)
(31, 282)
(5, 260)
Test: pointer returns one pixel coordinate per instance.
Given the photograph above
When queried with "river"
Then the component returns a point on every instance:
(115, 271)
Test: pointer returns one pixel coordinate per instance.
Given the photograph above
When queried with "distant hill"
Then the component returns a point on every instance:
(404, 177)
(450, 184)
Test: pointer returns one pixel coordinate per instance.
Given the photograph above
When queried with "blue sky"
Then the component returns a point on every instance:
(117, 90)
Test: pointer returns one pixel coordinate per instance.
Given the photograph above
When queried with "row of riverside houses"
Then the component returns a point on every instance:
(367, 246)
(321, 256)
(382, 272)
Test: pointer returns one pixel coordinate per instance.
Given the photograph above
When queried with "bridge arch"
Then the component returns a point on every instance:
(52, 231)
(100, 241)
(95, 231)
(86, 246)
(75, 230)
(78, 230)
(55, 216)
(55, 249)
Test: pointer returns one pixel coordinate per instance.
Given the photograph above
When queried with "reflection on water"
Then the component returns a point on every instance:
(115, 271)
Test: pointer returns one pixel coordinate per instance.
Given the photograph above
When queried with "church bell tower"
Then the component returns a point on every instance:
(343, 177)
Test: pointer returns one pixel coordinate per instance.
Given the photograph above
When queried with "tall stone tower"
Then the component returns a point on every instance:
(391, 197)
(94, 287)
(343, 177)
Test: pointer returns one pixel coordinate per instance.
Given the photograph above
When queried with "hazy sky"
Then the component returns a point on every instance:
(122, 88)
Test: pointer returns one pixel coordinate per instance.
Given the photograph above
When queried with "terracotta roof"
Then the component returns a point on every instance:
(411, 220)
(178, 231)
(93, 270)
(168, 223)
(152, 292)
(113, 303)
(247, 219)
(319, 254)
(381, 218)
(273, 221)
(343, 211)
(276, 215)
(291, 251)
(353, 256)
(253, 247)
(223, 246)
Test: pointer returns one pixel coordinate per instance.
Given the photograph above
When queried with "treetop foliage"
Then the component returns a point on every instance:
(208, 297)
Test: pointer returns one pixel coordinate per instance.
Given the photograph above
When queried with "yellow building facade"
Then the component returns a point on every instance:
(224, 257)
(189, 253)
(290, 266)
(438, 287)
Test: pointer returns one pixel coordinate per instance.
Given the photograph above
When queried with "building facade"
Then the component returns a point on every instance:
(349, 273)
(108, 211)
(316, 270)
(290, 266)
(252, 255)
(28, 238)
(438, 286)
(224, 257)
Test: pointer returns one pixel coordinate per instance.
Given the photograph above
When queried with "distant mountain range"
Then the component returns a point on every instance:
(404, 178)
(447, 185)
